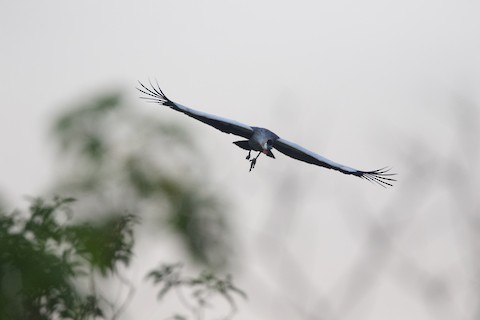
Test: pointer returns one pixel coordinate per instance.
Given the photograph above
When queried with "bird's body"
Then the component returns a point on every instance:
(260, 137)
(263, 140)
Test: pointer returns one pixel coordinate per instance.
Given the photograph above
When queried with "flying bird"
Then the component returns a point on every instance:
(263, 140)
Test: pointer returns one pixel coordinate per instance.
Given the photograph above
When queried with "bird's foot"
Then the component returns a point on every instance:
(252, 164)
(248, 155)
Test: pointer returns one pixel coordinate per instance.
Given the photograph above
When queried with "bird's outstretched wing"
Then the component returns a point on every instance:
(380, 176)
(155, 94)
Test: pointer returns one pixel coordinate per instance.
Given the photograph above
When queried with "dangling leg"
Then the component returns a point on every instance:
(254, 161)
(249, 153)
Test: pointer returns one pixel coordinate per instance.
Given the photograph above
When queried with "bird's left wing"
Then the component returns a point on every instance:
(155, 94)
(380, 176)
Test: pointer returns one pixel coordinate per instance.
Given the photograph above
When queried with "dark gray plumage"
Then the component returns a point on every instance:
(263, 140)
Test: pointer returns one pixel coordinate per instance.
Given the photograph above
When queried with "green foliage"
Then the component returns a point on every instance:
(117, 161)
(78, 132)
(203, 288)
(42, 254)
(105, 244)
(113, 156)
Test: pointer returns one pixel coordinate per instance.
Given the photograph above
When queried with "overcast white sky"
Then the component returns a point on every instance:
(391, 65)
(356, 81)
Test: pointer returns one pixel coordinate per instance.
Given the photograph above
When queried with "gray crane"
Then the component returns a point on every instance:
(263, 140)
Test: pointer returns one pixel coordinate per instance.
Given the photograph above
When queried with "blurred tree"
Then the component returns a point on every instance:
(44, 256)
(41, 258)
(116, 159)
(203, 289)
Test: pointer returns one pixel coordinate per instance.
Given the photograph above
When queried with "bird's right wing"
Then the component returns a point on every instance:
(155, 94)
(380, 176)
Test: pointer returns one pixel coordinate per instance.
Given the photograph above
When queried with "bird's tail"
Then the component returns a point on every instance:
(243, 144)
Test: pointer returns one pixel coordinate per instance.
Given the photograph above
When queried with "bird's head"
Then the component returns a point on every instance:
(267, 145)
